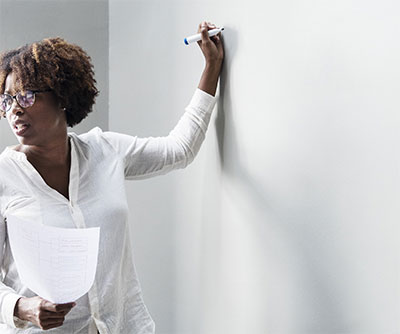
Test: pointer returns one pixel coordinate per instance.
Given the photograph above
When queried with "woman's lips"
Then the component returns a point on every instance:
(21, 129)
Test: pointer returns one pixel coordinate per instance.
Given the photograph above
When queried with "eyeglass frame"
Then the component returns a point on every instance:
(15, 98)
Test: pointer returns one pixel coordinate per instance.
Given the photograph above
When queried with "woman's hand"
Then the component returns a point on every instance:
(211, 47)
(42, 312)
(214, 53)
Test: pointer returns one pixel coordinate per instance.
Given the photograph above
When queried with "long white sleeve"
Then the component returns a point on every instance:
(150, 156)
(8, 296)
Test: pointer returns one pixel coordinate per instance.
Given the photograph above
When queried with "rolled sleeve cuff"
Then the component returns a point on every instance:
(8, 307)
(203, 101)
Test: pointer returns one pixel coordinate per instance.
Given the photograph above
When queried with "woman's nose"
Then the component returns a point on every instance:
(15, 107)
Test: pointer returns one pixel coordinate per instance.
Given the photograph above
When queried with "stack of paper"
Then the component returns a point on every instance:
(58, 264)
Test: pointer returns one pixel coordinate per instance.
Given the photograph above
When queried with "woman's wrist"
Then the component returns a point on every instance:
(17, 308)
(209, 79)
(214, 64)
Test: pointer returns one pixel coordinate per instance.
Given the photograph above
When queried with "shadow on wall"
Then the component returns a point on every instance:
(229, 155)
(288, 228)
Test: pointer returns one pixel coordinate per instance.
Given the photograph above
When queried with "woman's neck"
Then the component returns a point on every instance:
(57, 153)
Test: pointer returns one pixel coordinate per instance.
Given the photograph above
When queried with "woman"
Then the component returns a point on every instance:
(56, 177)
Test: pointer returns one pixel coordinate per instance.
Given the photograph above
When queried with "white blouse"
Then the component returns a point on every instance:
(100, 163)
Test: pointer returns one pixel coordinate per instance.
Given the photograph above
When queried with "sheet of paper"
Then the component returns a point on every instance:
(58, 264)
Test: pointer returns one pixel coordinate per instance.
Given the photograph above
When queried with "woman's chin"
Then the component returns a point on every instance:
(25, 141)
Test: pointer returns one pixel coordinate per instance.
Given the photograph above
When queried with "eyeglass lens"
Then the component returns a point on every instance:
(25, 99)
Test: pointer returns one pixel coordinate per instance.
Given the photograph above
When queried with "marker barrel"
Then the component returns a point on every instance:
(197, 37)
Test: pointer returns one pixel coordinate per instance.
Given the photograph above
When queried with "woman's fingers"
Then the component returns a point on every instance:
(48, 325)
(53, 315)
(203, 29)
(47, 305)
(210, 46)
(208, 25)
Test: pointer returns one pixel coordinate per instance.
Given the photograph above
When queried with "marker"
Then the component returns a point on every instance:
(197, 37)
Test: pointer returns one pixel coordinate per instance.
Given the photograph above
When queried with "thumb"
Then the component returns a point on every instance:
(48, 305)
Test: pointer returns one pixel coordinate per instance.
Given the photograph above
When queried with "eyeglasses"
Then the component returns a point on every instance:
(25, 99)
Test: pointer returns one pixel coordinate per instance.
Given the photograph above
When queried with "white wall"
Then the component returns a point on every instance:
(287, 220)
(80, 22)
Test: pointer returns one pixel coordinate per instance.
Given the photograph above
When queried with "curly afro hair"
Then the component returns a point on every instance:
(54, 64)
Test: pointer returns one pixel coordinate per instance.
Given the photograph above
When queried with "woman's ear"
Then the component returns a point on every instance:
(62, 108)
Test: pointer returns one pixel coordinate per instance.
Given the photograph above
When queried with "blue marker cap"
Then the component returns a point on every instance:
(186, 42)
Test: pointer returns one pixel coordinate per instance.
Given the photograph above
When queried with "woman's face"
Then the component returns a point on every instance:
(45, 120)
